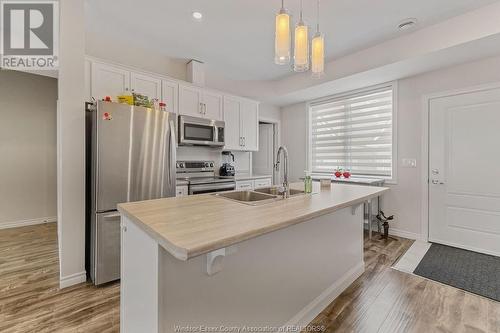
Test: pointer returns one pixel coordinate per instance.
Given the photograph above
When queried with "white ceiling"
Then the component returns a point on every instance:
(236, 38)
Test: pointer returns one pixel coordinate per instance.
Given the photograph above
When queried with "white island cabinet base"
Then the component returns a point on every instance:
(285, 277)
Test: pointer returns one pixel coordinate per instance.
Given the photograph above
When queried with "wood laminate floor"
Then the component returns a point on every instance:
(30, 299)
(381, 300)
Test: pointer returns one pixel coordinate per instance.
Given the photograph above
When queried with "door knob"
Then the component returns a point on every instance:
(435, 182)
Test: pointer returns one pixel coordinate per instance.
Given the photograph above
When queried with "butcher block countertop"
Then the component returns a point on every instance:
(189, 226)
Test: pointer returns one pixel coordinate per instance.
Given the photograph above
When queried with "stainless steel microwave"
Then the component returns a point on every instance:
(194, 131)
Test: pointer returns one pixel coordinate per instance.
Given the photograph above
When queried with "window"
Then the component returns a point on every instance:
(354, 132)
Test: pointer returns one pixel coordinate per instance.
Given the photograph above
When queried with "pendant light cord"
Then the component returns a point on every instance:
(317, 18)
(300, 10)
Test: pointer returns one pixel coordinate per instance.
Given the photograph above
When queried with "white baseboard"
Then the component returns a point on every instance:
(308, 313)
(73, 279)
(24, 223)
(404, 234)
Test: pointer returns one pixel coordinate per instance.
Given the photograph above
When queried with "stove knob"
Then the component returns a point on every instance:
(177, 165)
(207, 164)
(212, 165)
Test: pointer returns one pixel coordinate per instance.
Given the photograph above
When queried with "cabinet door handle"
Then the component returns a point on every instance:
(201, 108)
(244, 141)
(204, 108)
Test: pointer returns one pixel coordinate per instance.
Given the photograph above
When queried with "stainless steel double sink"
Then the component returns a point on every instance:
(257, 197)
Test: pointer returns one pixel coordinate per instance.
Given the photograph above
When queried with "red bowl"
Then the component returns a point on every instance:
(338, 174)
(347, 174)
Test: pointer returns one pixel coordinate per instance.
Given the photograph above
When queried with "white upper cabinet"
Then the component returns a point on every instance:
(146, 85)
(240, 114)
(249, 125)
(108, 80)
(212, 104)
(232, 126)
(190, 101)
(170, 94)
(198, 102)
(242, 124)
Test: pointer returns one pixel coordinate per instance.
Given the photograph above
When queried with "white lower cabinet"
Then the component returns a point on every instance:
(253, 184)
(244, 185)
(260, 183)
(181, 191)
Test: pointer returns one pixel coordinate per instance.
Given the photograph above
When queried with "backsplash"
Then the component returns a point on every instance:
(242, 160)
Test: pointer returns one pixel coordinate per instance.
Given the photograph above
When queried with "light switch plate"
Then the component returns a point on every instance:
(409, 162)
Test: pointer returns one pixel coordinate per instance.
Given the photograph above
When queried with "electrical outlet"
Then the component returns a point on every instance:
(409, 162)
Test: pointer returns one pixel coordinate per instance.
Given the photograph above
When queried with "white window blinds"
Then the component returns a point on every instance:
(353, 132)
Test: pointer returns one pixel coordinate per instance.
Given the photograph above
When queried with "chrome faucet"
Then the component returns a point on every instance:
(285, 189)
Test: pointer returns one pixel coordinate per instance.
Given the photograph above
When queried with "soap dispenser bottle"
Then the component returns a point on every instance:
(307, 182)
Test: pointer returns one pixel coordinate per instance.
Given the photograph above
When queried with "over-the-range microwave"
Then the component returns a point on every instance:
(194, 131)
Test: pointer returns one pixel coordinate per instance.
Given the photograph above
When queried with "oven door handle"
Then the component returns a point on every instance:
(194, 188)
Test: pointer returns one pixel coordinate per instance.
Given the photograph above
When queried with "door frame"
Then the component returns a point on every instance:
(425, 149)
(277, 138)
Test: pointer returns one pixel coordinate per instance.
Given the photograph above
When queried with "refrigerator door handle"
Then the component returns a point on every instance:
(173, 158)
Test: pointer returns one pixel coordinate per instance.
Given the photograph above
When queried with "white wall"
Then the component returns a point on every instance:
(71, 145)
(27, 148)
(404, 199)
(294, 137)
(128, 54)
(269, 112)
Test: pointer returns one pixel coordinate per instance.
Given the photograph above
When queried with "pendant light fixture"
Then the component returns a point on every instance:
(318, 52)
(301, 47)
(282, 42)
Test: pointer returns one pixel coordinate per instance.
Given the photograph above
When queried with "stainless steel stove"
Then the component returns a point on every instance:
(201, 177)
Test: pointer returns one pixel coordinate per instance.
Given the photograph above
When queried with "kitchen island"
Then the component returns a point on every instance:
(203, 262)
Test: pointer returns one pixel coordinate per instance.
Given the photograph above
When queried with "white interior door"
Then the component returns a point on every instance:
(263, 160)
(464, 172)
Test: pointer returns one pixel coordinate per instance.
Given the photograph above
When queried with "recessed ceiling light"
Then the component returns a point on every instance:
(407, 24)
(197, 16)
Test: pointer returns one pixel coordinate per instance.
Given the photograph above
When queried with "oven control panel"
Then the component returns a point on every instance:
(195, 166)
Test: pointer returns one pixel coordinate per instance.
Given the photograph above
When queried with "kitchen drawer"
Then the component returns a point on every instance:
(244, 185)
(260, 183)
(181, 191)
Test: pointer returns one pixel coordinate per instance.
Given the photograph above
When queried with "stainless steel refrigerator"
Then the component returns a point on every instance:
(130, 157)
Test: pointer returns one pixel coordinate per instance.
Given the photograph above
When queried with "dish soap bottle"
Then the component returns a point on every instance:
(308, 182)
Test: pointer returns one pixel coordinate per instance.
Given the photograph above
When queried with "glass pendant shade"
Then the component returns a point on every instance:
(301, 49)
(318, 56)
(283, 38)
